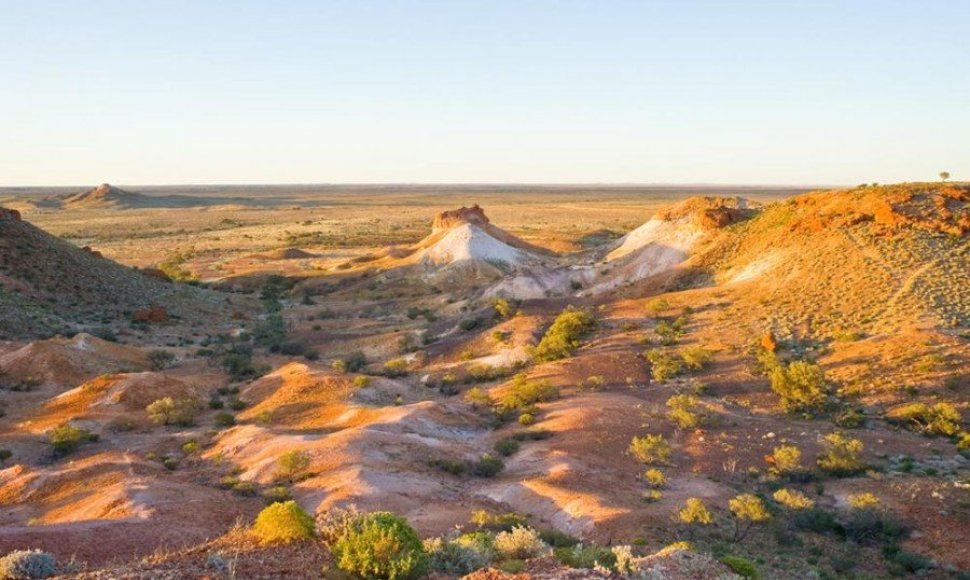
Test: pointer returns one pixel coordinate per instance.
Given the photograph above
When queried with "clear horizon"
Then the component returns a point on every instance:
(540, 93)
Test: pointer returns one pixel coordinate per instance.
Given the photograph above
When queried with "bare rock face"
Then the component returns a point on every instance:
(456, 217)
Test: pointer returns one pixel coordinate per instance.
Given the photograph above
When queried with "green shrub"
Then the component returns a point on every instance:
(224, 420)
(911, 562)
(487, 466)
(5, 454)
(939, 419)
(524, 393)
(801, 386)
(680, 410)
(557, 539)
(507, 446)
(27, 565)
(696, 357)
(741, 566)
(65, 438)
(580, 556)
(283, 522)
(396, 368)
(498, 522)
(352, 363)
(277, 493)
(160, 359)
(663, 366)
(290, 465)
(650, 449)
(361, 381)
(841, 455)
(564, 336)
(452, 557)
(169, 411)
(381, 546)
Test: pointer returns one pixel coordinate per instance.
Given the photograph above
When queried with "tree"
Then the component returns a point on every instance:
(168, 411)
(748, 510)
(944, 175)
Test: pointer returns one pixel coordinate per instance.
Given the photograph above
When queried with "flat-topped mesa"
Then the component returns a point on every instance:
(9, 214)
(464, 215)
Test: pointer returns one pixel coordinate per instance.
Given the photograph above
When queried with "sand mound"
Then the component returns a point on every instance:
(61, 362)
(468, 242)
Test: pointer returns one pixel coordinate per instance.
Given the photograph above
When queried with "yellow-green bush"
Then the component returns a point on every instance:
(841, 455)
(282, 523)
(564, 335)
(381, 546)
(650, 449)
(801, 386)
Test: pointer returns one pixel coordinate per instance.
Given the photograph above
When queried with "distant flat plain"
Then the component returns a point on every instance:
(220, 223)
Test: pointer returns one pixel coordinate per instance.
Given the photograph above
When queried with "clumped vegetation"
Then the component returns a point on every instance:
(564, 336)
(793, 499)
(801, 386)
(169, 411)
(66, 438)
(748, 510)
(682, 410)
(520, 543)
(27, 565)
(380, 545)
(282, 523)
(941, 419)
(841, 455)
(650, 449)
(291, 466)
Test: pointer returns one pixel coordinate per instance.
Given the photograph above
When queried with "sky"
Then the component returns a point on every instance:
(483, 91)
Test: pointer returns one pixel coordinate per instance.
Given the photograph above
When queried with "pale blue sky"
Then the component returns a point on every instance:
(195, 91)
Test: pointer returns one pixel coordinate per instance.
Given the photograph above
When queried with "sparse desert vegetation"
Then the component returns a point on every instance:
(382, 389)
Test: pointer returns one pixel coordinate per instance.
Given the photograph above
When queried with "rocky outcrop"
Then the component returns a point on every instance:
(464, 215)
(9, 214)
(152, 314)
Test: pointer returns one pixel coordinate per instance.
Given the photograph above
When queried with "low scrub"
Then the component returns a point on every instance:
(381, 545)
(66, 438)
(564, 336)
(940, 419)
(801, 386)
(27, 565)
(520, 543)
(650, 449)
(282, 523)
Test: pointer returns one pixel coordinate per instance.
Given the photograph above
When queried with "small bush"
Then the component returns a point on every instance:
(557, 539)
(276, 494)
(361, 381)
(224, 420)
(801, 386)
(911, 562)
(520, 543)
(65, 438)
(786, 459)
(476, 396)
(169, 411)
(741, 566)
(283, 522)
(381, 545)
(498, 522)
(292, 464)
(663, 366)
(507, 446)
(696, 357)
(650, 449)
(862, 501)
(564, 336)
(5, 454)
(453, 558)
(939, 419)
(694, 512)
(655, 478)
(160, 359)
(748, 510)
(524, 393)
(352, 363)
(815, 520)
(680, 410)
(396, 368)
(487, 466)
(793, 499)
(841, 456)
(27, 565)
(588, 557)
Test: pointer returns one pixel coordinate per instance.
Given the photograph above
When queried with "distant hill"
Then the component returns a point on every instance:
(49, 285)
